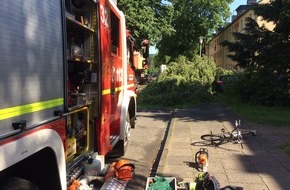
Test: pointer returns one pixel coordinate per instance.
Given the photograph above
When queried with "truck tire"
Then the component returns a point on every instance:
(133, 122)
(17, 184)
(120, 148)
(128, 128)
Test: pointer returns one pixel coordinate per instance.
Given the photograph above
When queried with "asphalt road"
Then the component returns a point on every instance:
(145, 145)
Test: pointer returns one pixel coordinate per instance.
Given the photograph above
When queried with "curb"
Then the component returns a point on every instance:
(164, 144)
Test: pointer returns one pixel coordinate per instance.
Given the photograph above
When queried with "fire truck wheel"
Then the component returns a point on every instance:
(132, 122)
(17, 184)
(121, 147)
(127, 131)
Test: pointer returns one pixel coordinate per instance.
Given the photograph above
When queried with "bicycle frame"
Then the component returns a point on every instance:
(236, 135)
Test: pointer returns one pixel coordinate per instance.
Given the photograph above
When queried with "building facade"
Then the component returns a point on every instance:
(238, 23)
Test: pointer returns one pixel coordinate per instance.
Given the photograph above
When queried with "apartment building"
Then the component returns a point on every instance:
(238, 23)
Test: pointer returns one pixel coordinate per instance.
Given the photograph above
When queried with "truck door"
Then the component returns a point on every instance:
(111, 79)
(31, 69)
(117, 72)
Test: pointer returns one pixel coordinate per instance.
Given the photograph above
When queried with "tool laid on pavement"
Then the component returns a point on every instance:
(204, 181)
(124, 170)
(190, 186)
(201, 158)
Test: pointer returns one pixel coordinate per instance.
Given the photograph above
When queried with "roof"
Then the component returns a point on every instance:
(242, 8)
(231, 23)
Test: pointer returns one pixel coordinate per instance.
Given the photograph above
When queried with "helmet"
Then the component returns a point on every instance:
(124, 170)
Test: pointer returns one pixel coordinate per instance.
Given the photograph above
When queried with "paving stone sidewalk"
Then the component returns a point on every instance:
(259, 165)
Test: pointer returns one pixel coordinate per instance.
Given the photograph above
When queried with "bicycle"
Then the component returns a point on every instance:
(236, 135)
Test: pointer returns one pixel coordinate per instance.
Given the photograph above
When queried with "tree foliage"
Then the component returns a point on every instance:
(147, 19)
(184, 82)
(192, 19)
(265, 55)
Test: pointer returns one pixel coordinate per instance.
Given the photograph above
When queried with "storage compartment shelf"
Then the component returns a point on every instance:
(81, 60)
(77, 133)
(74, 23)
(78, 107)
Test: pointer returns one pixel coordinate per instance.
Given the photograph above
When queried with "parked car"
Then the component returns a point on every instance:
(223, 81)
(144, 79)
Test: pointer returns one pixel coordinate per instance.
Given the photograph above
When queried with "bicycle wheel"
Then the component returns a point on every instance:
(244, 132)
(211, 137)
(248, 132)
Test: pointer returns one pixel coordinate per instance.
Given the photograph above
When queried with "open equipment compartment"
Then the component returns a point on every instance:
(82, 58)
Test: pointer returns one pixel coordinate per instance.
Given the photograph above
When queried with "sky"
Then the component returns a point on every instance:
(236, 4)
(233, 7)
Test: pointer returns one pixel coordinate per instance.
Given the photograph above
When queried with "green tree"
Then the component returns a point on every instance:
(184, 82)
(265, 55)
(192, 19)
(147, 19)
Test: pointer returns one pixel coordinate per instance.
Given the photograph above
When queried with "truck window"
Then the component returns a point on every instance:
(115, 41)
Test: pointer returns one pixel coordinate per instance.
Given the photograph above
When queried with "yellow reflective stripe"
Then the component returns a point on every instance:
(131, 85)
(29, 108)
(108, 91)
(119, 88)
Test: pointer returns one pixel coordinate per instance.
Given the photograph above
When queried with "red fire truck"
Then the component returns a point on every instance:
(67, 86)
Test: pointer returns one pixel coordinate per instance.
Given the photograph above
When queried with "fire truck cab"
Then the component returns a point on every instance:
(68, 88)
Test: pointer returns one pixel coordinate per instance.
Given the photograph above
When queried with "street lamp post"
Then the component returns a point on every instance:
(200, 42)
